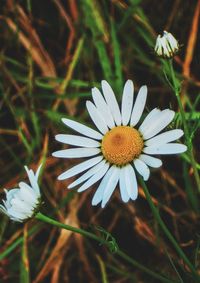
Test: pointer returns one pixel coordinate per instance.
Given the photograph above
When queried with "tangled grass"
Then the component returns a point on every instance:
(52, 54)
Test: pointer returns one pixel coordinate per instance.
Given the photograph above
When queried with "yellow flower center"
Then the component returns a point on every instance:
(121, 145)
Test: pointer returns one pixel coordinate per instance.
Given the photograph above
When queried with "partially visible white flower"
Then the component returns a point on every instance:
(23, 202)
(166, 46)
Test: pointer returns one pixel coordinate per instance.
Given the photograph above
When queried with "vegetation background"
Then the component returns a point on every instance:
(52, 53)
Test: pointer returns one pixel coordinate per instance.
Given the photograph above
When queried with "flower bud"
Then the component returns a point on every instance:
(22, 203)
(166, 46)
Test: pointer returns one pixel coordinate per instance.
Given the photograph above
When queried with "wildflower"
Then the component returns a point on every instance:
(23, 202)
(166, 46)
(118, 147)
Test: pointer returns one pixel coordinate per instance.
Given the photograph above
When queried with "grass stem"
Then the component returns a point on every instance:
(167, 232)
(176, 88)
(92, 236)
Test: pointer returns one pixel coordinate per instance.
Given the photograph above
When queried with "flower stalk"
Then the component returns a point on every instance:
(167, 232)
(176, 89)
(102, 241)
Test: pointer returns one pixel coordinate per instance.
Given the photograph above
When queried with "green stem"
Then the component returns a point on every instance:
(90, 235)
(176, 87)
(53, 222)
(167, 232)
(143, 268)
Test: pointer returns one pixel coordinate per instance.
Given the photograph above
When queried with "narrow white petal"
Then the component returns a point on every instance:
(127, 102)
(111, 101)
(110, 186)
(103, 107)
(80, 168)
(122, 186)
(96, 117)
(84, 130)
(170, 148)
(150, 118)
(150, 161)
(77, 140)
(16, 219)
(98, 196)
(142, 169)
(96, 177)
(131, 182)
(165, 118)
(3, 209)
(139, 106)
(38, 172)
(33, 180)
(76, 152)
(165, 137)
(18, 213)
(88, 174)
(20, 216)
(10, 194)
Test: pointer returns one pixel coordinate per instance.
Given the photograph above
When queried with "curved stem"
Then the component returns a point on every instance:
(53, 222)
(176, 89)
(90, 235)
(167, 232)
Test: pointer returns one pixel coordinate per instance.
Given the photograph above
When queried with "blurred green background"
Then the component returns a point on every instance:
(52, 53)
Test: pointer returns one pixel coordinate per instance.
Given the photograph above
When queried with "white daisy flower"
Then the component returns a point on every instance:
(23, 202)
(166, 46)
(119, 147)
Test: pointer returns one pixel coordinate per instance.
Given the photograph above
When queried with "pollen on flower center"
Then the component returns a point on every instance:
(121, 145)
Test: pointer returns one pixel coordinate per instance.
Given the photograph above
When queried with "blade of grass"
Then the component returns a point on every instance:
(71, 67)
(174, 267)
(92, 18)
(167, 232)
(192, 196)
(104, 278)
(117, 58)
(24, 264)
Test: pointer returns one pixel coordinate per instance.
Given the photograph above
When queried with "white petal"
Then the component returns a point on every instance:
(170, 148)
(76, 152)
(111, 101)
(80, 168)
(21, 214)
(150, 118)
(110, 186)
(96, 177)
(3, 209)
(96, 117)
(127, 102)
(27, 194)
(84, 130)
(15, 219)
(165, 118)
(88, 174)
(165, 137)
(38, 171)
(130, 181)
(33, 180)
(139, 106)
(103, 107)
(10, 195)
(16, 215)
(150, 161)
(77, 140)
(142, 169)
(20, 206)
(98, 196)
(122, 186)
